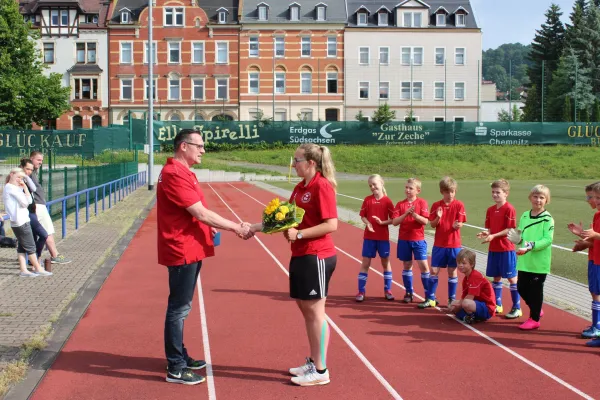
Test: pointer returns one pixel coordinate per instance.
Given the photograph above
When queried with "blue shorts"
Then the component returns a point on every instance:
(406, 249)
(482, 313)
(442, 257)
(501, 263)
(372, 247)
(594, 277)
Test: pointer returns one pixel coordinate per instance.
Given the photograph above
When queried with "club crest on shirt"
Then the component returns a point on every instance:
(306, 197)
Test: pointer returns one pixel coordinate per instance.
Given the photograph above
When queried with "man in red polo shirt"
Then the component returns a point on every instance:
(185, 237)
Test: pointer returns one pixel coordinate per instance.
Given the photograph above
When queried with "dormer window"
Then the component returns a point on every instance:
(321, 12)
(125, 17)
(294, 12)
(440, 19)
(222, 15)
(460, 17)
(362, 18)
(383, 15)
(263, 12)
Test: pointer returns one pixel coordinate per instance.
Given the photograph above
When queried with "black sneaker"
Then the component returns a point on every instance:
(195, 364)
(469, 319)
(408, 298)
(185, 376)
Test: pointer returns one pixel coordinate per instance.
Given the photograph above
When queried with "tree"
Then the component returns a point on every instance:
(497, 74)
(586, 45)
(530, 113)
(596, 111)
(26, 94)
(261, 120)
(360, 116)
(567, 113)
(514, 116)
(546, 50)
(383, 114)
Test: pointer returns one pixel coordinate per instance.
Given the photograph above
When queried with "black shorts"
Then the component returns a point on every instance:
(309, 276)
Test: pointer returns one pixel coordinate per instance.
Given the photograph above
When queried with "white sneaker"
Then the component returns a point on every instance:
(43, 272)
(301, 370)
(312, 378)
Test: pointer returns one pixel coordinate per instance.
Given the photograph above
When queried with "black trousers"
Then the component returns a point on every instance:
(531, 289)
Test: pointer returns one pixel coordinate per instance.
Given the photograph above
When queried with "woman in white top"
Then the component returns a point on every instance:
(16, 199)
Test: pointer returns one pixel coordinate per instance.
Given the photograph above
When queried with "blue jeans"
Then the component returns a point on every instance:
(2, 231)
(39, 234)
(182, 284)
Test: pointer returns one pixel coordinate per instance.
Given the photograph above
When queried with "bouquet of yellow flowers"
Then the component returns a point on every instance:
(280, 216)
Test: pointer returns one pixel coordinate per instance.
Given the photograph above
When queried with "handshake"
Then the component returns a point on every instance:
(247, 230)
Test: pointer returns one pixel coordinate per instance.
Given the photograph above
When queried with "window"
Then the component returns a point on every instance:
(54, 17)
(77, 122)
(174, 88)
(173, 16)
(49, 53)
(91, 19)
(361, 18)
(384, 55)
(459, 56)
(332, 82)
(96, 121)
(174, 52)
(438, 119)
(262, 13)
(321, 13)
(222, 52)
(412, 19)
(154, 55)
(294, 13)
(382, 19)
(86, 53)
(439, 91)
(64, 17)
(198, 53)
(175, 117)
(412, 55)
(417, 90)
(126, 53)
(306, 82)
(460, 19)
(459, 91)
(80, 53)
(85, 89)
(459, 119)
(147, 88)
(384, 90)
(305, 46)
(222, 89)
(280, 82)
(222, 17)
(363, 55)
(50, 124)
(405, 91)
(126, 89)
(253, 50)
(279, 46)
(331, 46)
(253, 78)
(280, 115)
(440, 56)
(124, 17)
(418, 56)
(306, 115)
(440, 20)
(406, 55)
(363, 90)
(198, 117)
(198, 89)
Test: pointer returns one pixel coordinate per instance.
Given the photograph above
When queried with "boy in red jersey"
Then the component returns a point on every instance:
(376, 213)
(502, 259)
(477, 303)
(447, 217)
(412, 215)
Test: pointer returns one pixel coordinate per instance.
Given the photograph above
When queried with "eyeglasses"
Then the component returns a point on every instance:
(297, 160)
(198, 146)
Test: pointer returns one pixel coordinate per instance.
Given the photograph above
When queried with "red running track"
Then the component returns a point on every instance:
(255, 332)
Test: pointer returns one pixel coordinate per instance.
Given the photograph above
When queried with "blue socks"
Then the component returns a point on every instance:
(514, 294)
(407, 279)
(433, 284)
(452, 285)
(425, 281)
(596, 314)
(387, 280)
(498, 292)
(362, 281)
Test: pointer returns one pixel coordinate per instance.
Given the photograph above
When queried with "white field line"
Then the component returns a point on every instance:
(478, 332)
(345, 338)
(210, 380)
(479, 227)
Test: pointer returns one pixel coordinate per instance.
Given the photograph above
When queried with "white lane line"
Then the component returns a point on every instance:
(345, 338)
(483, 335)
(210, 380)
(479, 227)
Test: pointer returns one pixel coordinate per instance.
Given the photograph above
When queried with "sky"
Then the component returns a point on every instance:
(513, 21)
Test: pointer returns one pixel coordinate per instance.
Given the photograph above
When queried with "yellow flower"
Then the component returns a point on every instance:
(279, 216)
(275, 202)
(284, 210)
(269, 210)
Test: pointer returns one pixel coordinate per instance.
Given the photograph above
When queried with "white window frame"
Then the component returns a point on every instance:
(362, 15)
(64, 13)
(254, 77)
(368, 55)
(464, 55)
(303, 79)
(387, 55)
(337, 82)
(402, 90)
(412, 55)
(295, 9)
(435, 97)
(169, 97)
(321, 13)
(44, 52)
(252, 39)
(79, 95)
(174, 11)
(379, 91)
(223, 17)
(279, 77)
(464, 89)
(413, 15)
(303, 41)
(437, 19)
(217, 89)
(435, 60)
(172, 46)
(121, 60)
(217, 61)
(278, 40)
(194, 85)
(413, 52)
(121, 89)
(464, 20)
(154, 88)
(402, 53)
(441, 117)
(125, 17)
(331, 39)
(412, 91)
(146, 48)
(263, 10)
(54, 13)
(380, 21)
(464, 119)
(306, 111)
(368, 90)
(202, 53)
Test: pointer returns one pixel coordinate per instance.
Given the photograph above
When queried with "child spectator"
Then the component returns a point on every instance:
(502, 260)
(412, 215)
(376, 213)
(477, 303)
(447, 217)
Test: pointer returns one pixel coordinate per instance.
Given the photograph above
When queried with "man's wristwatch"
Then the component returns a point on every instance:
(299, 235)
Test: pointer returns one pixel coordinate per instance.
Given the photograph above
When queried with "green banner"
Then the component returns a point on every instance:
(391, 133)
